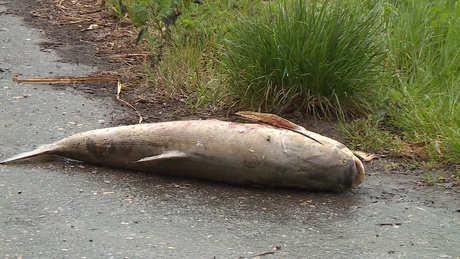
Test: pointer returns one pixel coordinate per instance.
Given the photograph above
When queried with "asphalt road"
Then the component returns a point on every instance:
(57, 208)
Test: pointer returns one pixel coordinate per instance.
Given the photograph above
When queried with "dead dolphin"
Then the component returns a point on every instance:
(281, 154)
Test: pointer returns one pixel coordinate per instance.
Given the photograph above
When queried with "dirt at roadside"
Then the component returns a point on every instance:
(83, 32)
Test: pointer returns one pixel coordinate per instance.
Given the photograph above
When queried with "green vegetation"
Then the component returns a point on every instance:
(392, 65)
(423, 83)
(322, 58)
(190, 48)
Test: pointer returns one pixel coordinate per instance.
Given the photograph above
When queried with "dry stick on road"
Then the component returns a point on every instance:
(64, 80)
(258, 255)
(69, 80)
(390, 224)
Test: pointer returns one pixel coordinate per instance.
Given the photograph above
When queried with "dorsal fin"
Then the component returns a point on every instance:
(270, 119)
(276, 121)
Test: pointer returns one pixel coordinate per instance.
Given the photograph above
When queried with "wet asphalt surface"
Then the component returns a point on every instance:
(57, 208)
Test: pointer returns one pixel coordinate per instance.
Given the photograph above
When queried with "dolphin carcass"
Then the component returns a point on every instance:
(277, 153)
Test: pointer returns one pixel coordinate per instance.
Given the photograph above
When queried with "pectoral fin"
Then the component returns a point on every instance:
(173, 154)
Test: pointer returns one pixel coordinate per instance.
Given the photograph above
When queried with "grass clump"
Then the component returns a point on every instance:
(321, 57)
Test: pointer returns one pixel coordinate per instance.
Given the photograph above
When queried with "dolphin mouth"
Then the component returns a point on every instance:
(359, 177)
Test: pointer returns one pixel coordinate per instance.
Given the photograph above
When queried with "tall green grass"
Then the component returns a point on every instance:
(189, 65)
(320, 57)
(424, 62)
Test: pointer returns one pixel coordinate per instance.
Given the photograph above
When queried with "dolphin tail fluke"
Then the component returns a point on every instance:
(36, 152)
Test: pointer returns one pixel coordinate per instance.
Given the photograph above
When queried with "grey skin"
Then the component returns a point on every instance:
(236, 153)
